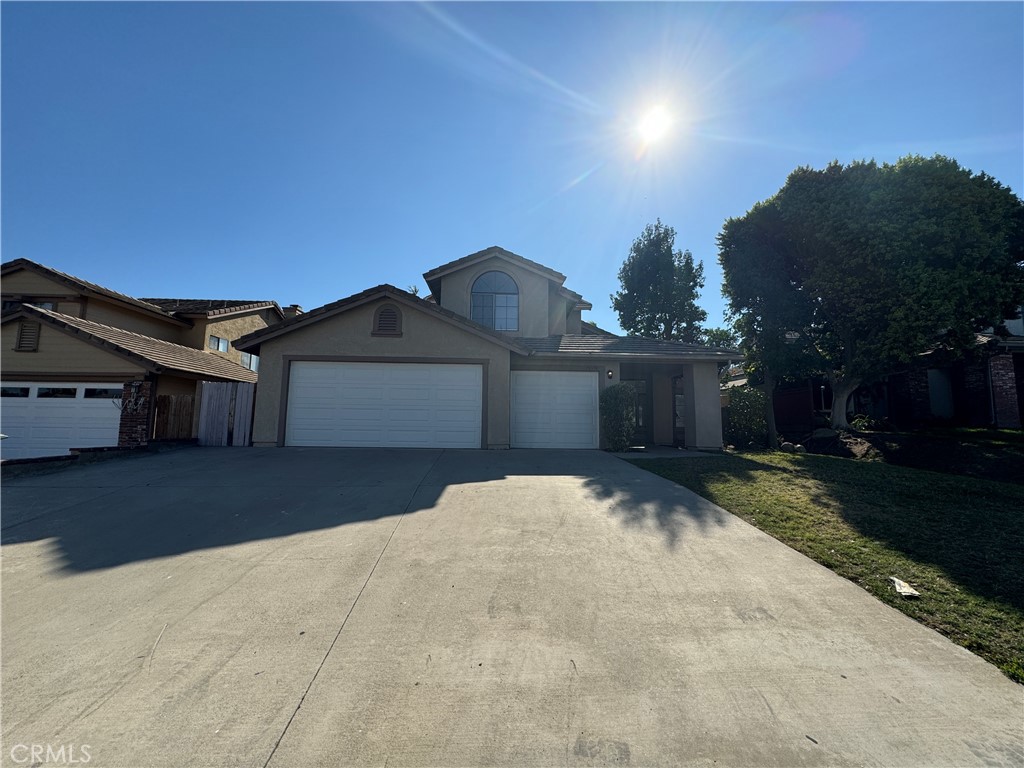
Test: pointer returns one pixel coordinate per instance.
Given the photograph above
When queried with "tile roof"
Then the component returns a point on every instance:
(586, 344)
(385, 290)
(209, 307)
(85, 286)
(152, 353)
(494, 250)
(591, 329)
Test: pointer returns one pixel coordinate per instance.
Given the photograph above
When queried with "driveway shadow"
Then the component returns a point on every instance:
(975, 535)
(118, 512)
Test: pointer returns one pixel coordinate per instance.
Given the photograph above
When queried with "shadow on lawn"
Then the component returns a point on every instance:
(117, 512)
(972, 529)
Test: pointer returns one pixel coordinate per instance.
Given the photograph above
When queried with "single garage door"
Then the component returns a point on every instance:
(398, 405)
(47, 418)
(554, 409)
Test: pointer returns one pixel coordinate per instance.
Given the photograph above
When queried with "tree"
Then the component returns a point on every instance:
(725, 338)
(855, 271)
(659, 287)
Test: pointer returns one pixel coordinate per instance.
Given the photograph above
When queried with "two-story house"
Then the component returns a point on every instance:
(84, 366)
(496, 357)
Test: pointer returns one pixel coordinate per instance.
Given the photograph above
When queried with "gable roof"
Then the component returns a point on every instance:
(488, 253)
(90, 289)
(212, 307)
(251, 340)
(594, 345)
(156, 355)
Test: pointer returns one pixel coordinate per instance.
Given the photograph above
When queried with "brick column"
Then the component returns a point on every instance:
(1004, 391)
(136, 405)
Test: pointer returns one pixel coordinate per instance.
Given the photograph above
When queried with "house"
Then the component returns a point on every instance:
(497, 356)
(85, 366)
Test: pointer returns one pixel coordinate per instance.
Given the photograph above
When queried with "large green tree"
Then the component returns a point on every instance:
(659, 289)
(854, 271)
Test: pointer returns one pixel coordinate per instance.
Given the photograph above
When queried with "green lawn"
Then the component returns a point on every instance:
(958, 540)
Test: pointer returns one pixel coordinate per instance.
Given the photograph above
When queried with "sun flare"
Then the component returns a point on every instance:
(654, 125)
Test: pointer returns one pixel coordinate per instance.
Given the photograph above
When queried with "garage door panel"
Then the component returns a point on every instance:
(50, 426)
(384, 404)
(554, 409)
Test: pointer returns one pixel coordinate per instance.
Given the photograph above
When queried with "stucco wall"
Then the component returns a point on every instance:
(533, 294)
(99, 311)
(347, 335)
(62, 354)
(229, 328)
(25, 282)
(702, 414)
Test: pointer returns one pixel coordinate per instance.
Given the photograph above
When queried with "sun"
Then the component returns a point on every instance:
(654, 125)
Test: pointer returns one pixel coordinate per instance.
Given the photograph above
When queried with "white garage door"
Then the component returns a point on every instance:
(554, 409)
(47, 418)
(399, 405)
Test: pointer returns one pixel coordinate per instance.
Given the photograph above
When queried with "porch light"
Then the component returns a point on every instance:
(610, 374)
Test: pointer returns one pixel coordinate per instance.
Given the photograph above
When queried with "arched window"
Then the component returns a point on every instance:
(496, 301)
(387, 321)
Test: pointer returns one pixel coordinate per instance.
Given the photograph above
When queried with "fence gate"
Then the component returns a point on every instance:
(174, 417)
(225, 412)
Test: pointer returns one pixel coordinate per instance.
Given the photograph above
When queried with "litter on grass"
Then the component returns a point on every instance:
(903, 588)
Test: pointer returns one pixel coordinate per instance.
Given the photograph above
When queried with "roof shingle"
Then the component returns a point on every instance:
(156, 352)
(581, 345)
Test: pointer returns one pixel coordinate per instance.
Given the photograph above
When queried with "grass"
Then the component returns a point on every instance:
(958, 540)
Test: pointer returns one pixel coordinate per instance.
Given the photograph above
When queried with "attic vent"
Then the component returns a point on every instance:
(28, 337)
(387, 321)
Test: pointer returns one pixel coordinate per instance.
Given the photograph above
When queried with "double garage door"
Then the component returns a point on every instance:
(421, 405)
(47, 418)
(397, 405)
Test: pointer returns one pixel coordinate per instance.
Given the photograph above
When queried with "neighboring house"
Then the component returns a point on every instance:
(983, 387)
(84, 366)
(496, 357)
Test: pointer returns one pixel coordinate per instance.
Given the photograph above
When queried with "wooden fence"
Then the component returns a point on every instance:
(225, 412)
(174, 415)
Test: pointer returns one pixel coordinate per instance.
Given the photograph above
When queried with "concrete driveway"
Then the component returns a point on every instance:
(322, 607)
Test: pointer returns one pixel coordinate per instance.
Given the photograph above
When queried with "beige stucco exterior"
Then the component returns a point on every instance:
(60, 353)
(534, 294)
(702, 412)
(230, 327)
(347, 336)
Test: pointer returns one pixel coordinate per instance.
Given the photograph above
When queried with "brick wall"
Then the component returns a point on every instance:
(136, 409)
(1004, 391)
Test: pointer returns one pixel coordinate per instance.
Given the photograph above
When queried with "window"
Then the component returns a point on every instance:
(13, 391)
(28, 337)
(495, 302)
(102, 393)
(387, 321)
(218, 344)
(252, 362)
(68, 392)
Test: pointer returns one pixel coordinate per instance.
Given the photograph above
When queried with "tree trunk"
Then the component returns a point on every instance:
(841, 391)
(769, 415)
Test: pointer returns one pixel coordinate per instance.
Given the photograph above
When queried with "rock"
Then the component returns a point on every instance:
(823, 433)
(799, 449)
(787, 447)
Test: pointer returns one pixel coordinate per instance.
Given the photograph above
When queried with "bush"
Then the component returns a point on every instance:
(745, 422)
(864, 423)
(618, 420)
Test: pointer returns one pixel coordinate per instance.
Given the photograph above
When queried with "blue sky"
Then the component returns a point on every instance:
(304, 152)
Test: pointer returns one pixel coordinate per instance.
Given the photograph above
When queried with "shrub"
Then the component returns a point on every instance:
(745, 422)
(618, 409)
(864, 423)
